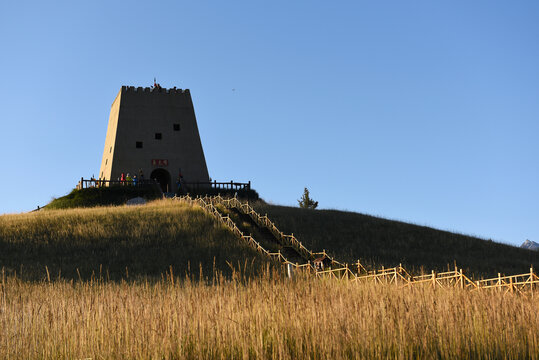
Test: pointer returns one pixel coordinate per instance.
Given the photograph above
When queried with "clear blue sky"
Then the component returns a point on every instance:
(421, 111)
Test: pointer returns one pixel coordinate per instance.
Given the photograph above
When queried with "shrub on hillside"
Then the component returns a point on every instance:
(306, 202)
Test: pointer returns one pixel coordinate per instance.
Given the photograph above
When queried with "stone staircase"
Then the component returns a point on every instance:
(265, 237)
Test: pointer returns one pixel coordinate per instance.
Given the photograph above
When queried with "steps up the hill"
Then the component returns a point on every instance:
(288, 241)
(257, 231)
(263, 235)
(242, 219)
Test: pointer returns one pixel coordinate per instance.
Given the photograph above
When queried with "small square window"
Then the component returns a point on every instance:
(139, 145)
(176, 127)
(158, 136)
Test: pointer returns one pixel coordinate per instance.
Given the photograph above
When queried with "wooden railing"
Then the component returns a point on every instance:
(394, 275)
(209, 207)
(522, 284)
(444, 279)
(218, 185)
(512, 283)
(193, 185)
(89, 183)
(264, 221)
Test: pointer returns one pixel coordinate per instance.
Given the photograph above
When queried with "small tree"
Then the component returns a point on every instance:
(306, 202)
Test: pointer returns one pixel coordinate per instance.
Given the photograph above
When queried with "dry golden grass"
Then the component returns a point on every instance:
(105, 241)
(266, 317)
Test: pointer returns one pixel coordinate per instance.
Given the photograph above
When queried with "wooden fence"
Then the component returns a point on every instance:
(512, 283)
(394, 275)
(522, 284)
(264, 221)
(455, 278)
(89, 183)
(217, 185)
(209, 207)
(194, 185)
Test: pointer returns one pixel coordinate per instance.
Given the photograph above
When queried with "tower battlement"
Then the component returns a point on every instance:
(141, 89)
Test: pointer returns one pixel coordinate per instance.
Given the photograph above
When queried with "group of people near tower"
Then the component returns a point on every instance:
(127, 179)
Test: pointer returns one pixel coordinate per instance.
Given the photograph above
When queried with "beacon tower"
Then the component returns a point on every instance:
(153, 130)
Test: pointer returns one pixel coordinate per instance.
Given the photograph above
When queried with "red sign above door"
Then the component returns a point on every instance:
(159, 162)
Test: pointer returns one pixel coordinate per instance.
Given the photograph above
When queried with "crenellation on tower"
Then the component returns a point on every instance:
(140, 89)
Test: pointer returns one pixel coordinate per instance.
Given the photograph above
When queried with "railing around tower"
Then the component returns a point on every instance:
(85, 184)
(217, 185)
(193, 185)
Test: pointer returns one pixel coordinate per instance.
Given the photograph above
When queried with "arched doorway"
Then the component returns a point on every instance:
(163, 178)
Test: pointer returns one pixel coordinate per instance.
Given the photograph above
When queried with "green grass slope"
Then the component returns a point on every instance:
(119, 242)
(102, 196)
(375, 241)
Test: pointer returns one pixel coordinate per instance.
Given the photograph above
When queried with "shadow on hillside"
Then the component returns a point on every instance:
(376, 242)
(123, 261)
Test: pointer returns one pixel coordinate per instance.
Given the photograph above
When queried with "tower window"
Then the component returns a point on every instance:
(106, 161)
(110, 149)
(176, 127)
(139, 144)
(158, 136)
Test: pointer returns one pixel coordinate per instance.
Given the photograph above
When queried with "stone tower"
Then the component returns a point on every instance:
(153, 130)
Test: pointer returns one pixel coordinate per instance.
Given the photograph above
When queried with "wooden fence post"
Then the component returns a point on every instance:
(461, 279)
(531, 280)
(433, 279)
(499, 282)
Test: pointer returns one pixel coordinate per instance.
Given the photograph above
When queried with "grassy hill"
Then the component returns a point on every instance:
(119, 242)
(375, 241)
